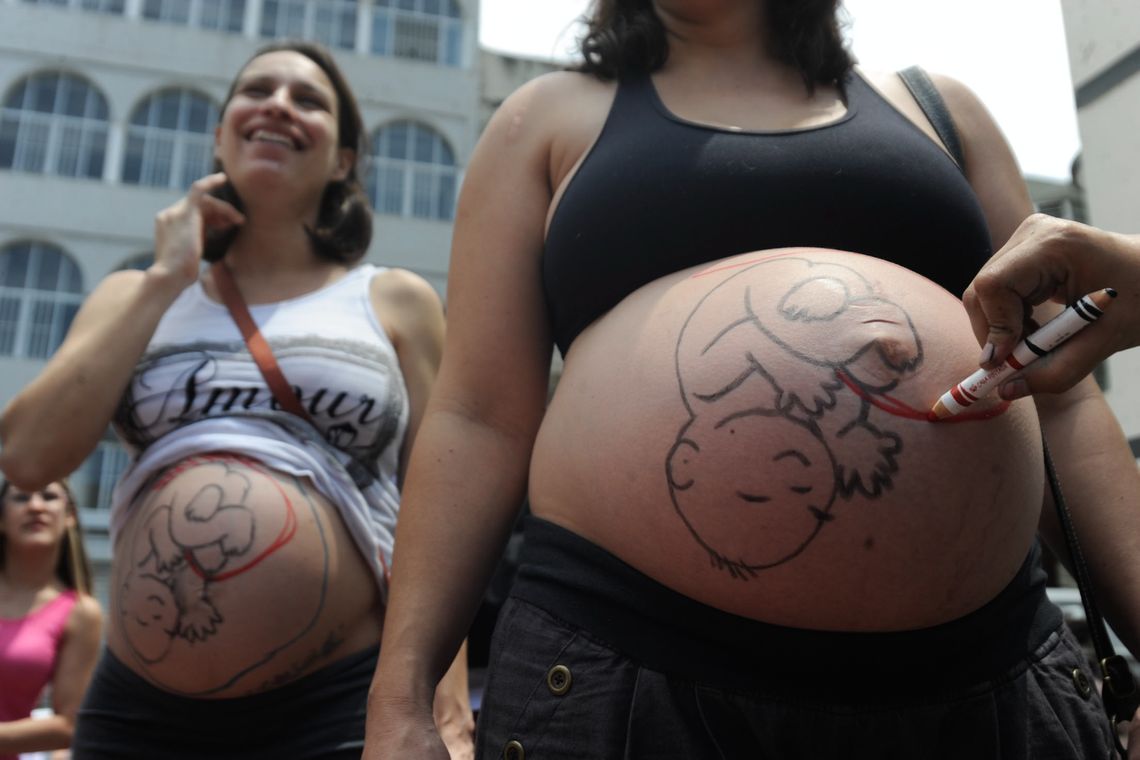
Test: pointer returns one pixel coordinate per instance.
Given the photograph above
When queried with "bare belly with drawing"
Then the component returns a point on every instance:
(753, 434)
(231, 578)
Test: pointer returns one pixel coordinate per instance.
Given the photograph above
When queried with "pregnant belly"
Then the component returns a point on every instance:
(754, 435)
(230, 578)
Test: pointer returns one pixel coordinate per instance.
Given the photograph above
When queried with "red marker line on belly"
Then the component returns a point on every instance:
(747, 262)
(288, 530)
(284, 536)
(1056, 331)
(898, 408)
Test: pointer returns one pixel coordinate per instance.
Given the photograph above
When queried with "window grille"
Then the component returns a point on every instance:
(99, 6)
(412, 172)
(41, 289)
(422, 30)
(216, 15)
(95, 479)
(329, 22)
(170, 140)
(54, 123)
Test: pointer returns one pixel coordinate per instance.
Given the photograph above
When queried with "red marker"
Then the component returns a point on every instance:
(1056, 331)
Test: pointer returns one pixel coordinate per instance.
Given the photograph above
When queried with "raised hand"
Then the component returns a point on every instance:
(1050, 259)
(180, 230)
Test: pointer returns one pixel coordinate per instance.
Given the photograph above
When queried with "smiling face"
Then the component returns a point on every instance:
(279, 128)
(30, 519)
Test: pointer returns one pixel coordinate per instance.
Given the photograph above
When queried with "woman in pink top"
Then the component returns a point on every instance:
(50, 625)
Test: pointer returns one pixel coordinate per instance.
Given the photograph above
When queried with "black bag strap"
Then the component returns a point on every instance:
(932, 104)
(1119, 693)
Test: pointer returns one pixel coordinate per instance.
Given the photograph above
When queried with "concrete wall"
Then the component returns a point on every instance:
(1104, 56)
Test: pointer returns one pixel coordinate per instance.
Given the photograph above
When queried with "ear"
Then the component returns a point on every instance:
(345, 160)
(681, 466)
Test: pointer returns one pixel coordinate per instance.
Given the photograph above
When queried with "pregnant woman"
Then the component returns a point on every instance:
(748, 541)
(250, 543)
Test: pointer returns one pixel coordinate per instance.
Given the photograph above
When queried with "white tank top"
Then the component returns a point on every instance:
(197, 389)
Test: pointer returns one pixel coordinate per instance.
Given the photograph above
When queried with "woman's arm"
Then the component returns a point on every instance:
(413, 316)
(1093, 461)
(76, 660)
(51, 426)
(468, 471)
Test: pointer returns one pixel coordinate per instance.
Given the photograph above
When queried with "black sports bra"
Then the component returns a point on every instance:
(657, 194)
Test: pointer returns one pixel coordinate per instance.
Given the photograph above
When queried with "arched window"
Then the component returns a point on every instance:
(101, 6)
(423, 30)
(217, 15)
(412, 172)
(54, 123)
(170, 140)
(40, 292)
(329, 22)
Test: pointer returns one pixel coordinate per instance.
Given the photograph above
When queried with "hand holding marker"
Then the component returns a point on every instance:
(1059, 329)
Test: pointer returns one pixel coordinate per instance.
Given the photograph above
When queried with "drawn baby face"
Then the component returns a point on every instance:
(149, 616)
(779, 486)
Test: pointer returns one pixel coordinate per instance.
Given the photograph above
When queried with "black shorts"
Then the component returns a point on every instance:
(591, 659)
(320, 715)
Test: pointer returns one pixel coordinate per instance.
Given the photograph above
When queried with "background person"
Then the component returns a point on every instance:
(1050, 259)
(248, 579)
(744, 521)
(50, 625)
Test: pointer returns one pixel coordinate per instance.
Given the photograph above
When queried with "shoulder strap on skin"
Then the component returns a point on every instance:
(255, 341)
(932, 104)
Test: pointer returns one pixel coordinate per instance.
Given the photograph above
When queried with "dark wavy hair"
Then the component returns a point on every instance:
(344, 221)
(626, 36)
(73, 569)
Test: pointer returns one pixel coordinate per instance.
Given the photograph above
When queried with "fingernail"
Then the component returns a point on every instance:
(987, 353)
(1014, 389)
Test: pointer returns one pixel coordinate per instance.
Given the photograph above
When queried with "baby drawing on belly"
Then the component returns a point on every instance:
(201, 536)
(782, 385)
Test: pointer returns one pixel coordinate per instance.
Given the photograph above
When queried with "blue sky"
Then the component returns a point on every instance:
(1011, 52)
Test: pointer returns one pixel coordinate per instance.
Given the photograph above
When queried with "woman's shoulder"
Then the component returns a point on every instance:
(402, 286)
(959, 98)
(404, 300)
(553, 102)
(408, 307)
(85, 612)
(556, 86)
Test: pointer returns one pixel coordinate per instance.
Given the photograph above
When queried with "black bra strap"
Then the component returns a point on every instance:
(932, 104)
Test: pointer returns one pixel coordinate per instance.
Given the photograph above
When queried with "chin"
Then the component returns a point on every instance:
(268, 179)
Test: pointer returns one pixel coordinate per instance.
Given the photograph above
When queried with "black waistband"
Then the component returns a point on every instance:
(324, 684)
(320, 715)
(586, 586)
